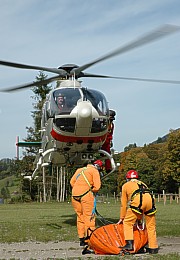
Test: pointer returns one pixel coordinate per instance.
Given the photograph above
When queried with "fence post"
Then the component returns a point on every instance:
(115, 197)
(164, 197)
(171, 199)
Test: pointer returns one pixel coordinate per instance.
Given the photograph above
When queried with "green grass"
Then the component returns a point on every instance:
(168, 219)
(57, 222)
(13, 183)
(37, 222)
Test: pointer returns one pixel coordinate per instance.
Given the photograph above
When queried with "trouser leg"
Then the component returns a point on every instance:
(80, 218)
(128, 223)
(151, 229)
(87, 207)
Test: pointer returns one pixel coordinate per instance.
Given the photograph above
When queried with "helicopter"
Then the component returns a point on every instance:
(75, 120)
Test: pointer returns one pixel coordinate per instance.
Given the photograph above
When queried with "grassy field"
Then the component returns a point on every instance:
(57, 221)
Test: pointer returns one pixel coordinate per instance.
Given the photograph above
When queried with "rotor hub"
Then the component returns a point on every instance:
(68, 67)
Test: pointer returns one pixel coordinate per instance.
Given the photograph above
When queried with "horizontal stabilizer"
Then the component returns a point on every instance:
(28, 144)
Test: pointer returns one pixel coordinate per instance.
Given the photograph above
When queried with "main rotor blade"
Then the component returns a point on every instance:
(150, 37)
(31, 84)
(89, 75)
(61, 72)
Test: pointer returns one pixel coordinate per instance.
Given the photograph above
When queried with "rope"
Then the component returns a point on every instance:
(102, 219)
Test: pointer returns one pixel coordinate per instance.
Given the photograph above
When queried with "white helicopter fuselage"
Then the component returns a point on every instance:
(77, 131)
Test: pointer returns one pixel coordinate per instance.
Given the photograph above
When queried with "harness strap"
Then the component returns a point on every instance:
(85, 177)
(153, 210)
(136, 209)
(78, 198)
(139, 191)
(142, 190)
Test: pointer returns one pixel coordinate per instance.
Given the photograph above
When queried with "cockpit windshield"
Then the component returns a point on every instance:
(97, 99)
(66, 99)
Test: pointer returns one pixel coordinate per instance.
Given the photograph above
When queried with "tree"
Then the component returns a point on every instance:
(127, 162)
(5, 193)
(129, 147)
(148, 161)
(171, 169)
(157, 155)
(33, 132)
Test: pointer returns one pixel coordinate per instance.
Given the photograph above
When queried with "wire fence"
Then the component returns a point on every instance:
(115, 198)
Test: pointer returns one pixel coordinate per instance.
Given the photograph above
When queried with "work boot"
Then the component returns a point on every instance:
(82, 242)
(129, 245)
(87, 250)
(152, 250)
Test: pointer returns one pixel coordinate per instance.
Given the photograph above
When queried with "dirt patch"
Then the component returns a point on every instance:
(67, 250)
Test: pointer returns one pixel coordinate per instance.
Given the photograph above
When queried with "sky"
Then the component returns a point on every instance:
(51, 33)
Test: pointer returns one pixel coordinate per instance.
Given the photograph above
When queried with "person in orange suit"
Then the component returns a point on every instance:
(85, 184)
(108, 142)
(136, 194)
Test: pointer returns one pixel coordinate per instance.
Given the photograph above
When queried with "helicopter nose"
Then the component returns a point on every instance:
(85, 112)
(84, 118)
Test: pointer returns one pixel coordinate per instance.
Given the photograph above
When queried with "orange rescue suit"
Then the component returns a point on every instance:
(130, 215)
(85, 182)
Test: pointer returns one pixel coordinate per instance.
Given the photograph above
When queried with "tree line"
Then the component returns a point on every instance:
(158, 164)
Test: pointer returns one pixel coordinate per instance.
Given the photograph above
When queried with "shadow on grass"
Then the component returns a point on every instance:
(54, 225)
(70, 219)
(100, 221)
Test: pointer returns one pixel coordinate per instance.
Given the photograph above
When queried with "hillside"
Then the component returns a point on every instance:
(163, 138)
(10, 185)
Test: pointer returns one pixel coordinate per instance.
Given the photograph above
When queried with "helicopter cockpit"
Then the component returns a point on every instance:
(97, 99)
(63, 102)
(66, 99)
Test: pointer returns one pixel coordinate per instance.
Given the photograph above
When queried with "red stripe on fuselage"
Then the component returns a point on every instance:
(74, 139)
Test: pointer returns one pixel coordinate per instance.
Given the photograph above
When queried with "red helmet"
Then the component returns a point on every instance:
(98, 163)
(132, 174)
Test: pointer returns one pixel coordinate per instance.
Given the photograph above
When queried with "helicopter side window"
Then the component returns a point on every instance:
(44, 114)
(100, 107)
(43, 119)
(99, 125)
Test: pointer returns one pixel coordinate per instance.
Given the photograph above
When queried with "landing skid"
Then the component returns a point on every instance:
(113, 165)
